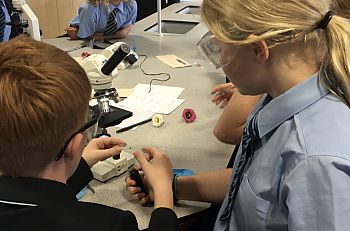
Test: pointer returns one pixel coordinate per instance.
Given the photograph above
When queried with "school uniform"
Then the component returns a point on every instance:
(93, 19)
(298, 177)
(39, 204)
(5, 30)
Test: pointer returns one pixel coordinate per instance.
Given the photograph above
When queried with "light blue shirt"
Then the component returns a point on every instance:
(299, 177)
(93, 19)
(7, 31)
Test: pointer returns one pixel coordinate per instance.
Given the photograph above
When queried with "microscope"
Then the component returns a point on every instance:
(23, 20)
(101, 69)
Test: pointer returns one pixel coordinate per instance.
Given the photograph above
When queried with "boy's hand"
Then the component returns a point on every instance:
(102, 148)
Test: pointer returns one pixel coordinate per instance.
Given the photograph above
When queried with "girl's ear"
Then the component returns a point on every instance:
(261, 51)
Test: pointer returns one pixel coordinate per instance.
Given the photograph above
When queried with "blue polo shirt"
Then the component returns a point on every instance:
(7, 31)
(299, 177)
(93, 19)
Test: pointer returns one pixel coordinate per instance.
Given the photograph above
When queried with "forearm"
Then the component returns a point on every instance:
(123, 32)
(229, 127)
(118, 35)
(207, 187)
(163, 197)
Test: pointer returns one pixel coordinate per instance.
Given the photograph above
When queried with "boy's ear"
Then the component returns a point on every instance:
(74, 146)
(261, 51)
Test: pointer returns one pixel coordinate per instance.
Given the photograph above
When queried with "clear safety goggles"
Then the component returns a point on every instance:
(90, 127)
(218, 53)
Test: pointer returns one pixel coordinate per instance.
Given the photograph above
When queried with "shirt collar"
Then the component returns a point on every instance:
(35, 191)
(283, 107)
(120, 7)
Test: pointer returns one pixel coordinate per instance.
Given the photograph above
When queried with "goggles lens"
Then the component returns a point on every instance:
(216, 52)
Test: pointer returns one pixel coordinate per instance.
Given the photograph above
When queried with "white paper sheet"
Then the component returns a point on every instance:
(161, 99)
(158, 90)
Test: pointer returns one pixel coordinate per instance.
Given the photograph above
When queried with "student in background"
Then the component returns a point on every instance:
(45, 123)
(5, 30)
(294, 158)
(103, 19)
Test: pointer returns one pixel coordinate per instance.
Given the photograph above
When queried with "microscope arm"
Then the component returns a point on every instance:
(33, 29)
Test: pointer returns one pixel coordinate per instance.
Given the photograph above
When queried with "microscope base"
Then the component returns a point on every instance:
(105, 170)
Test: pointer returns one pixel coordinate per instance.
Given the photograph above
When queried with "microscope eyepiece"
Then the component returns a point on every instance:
(118, 56)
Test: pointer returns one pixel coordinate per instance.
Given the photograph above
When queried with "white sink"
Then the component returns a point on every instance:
(173, 27)
(189, 10)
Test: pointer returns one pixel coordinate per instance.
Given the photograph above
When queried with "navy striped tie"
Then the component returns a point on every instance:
(250, 142)
(2, 22)
(112, 26)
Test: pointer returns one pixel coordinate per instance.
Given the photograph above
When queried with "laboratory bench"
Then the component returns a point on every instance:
(189, 145)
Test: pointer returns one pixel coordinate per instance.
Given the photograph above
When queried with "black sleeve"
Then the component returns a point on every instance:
(163, 219)
(81, 177)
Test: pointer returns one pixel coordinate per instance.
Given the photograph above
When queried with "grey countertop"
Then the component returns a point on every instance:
(189, 145)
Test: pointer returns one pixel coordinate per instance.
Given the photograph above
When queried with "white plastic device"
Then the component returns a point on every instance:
(105, 170)
(93, 64)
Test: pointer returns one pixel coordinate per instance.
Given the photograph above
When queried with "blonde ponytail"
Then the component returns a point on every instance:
(335, 68)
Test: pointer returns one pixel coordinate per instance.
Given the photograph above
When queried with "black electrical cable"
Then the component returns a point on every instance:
(153, 74)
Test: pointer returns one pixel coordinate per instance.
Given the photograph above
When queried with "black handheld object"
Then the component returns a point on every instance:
(135, 175)
(118, 56)
(133, 125)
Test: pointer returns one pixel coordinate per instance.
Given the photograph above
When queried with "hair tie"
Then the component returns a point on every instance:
(326, 19)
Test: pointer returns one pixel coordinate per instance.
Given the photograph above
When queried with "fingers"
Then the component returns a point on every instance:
(221, 87)
(223, 93)
(218, 98)
(130, 185)
(136, 191)
(99, 149)
(106, 153)
(137, 167)
(144, 200)
(141, 159)
(113, 141)
(108, 142)
(218, 88)
(151, 151)
(223, 104)
(136, 194)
